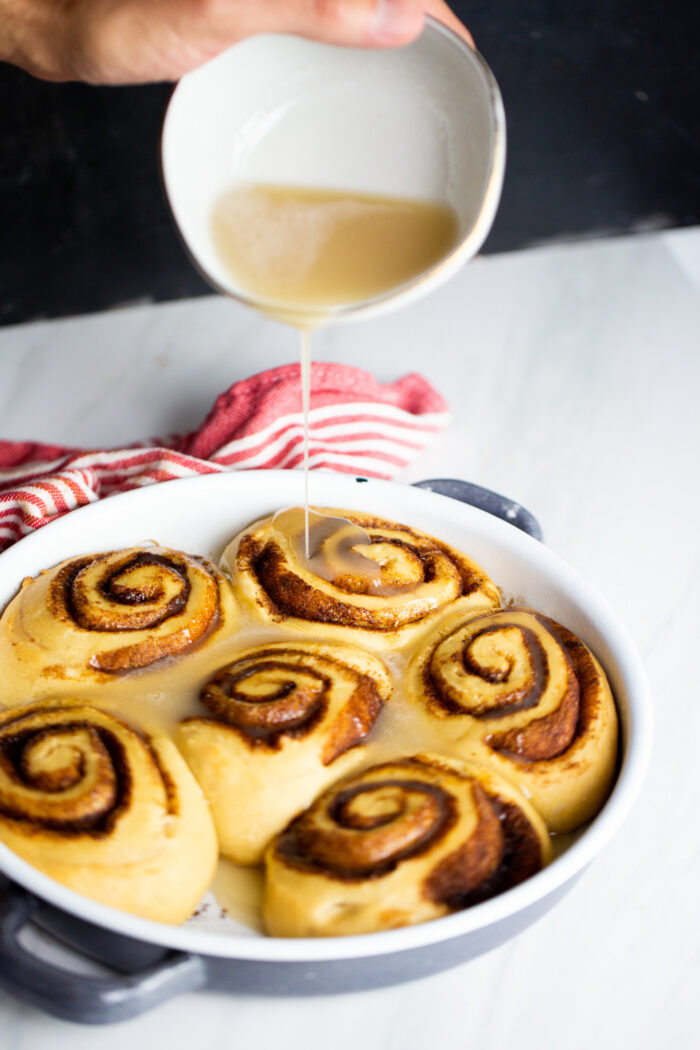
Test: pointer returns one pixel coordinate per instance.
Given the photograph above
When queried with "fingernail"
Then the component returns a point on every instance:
(398, 19)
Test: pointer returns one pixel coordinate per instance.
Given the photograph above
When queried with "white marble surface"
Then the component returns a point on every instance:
(574, 376)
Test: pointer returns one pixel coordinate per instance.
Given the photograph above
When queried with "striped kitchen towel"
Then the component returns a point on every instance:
(356, 426)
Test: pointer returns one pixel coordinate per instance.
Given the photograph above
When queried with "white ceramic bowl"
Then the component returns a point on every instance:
(424, 121)
(201, 515)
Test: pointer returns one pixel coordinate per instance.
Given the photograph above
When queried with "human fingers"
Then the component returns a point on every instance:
(132, 41)
(367, 23)
(362, 23)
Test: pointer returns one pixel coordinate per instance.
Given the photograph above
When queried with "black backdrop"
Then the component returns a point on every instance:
(602, 99)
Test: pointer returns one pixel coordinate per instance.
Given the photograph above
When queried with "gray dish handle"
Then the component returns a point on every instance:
(485, 499)
(162, 975)
(74, 997)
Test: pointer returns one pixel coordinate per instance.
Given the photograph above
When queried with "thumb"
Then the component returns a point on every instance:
(360, 23)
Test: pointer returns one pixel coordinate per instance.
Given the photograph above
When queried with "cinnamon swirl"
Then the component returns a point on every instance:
(400, 843)
(284, 720)
(105, 810)
(94, 617)
(418, 579)
(523, 694)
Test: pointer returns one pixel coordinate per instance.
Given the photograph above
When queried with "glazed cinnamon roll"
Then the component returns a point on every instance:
(379, 589)
(522, 693)
(284, 721)
(105, 810)
(397, 844)
(94, 617)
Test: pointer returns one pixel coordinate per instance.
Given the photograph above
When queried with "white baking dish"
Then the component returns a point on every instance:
(200, 515)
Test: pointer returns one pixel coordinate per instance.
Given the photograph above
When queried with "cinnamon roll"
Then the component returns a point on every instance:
(94, 617)
(522, 693)
(105, 810)
(397, 844)
(284, 721)
(416, 579)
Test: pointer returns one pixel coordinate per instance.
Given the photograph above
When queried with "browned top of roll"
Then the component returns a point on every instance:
(527, 678)
(70, 768)
(417, 573)
(140, 605)
(284, 691)
(472, 841)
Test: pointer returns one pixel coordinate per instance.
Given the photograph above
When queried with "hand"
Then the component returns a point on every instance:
(136, 41)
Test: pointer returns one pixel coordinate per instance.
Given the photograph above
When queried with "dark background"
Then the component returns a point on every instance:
(602, 100)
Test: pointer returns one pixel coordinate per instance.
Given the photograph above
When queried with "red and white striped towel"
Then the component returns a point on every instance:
(356, 425)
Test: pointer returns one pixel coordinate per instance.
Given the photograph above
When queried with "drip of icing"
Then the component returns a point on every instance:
(305, 399)
(304, 252)
(326, 545)
(344, 536)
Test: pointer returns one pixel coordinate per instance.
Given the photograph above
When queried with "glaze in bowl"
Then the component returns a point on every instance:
(424, 121)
